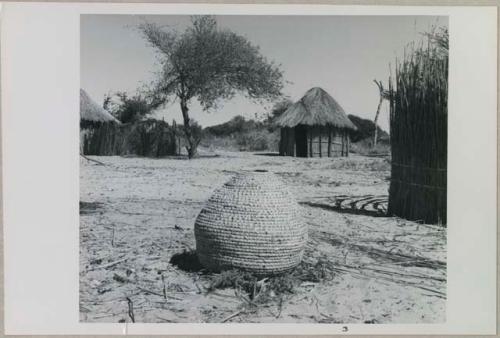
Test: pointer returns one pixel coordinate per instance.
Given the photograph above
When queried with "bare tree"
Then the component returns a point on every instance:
(209, 64)
(384, 95)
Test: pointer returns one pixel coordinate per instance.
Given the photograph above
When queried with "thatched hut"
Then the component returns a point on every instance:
(97, 127)
(91, 114)
(103, 135)
(315, 126)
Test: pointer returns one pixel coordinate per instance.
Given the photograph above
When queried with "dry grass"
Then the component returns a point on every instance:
(262, 290)
(372, 164)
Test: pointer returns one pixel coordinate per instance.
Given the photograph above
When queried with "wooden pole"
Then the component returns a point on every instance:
(310, 136)
(329, 141)
(342, 141)
(348, 141)
(320, 130)
(282, 140)
(294, 142)
(381, 99)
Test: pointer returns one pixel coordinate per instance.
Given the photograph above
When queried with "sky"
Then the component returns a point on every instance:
(341, 54)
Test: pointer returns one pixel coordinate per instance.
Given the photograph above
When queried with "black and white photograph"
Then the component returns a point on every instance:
(263, 169)
(195, 169)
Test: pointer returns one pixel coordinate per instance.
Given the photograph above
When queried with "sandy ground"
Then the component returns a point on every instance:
(142, 212)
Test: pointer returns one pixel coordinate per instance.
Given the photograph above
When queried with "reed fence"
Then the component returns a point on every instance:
(419, 135)
(150, 138)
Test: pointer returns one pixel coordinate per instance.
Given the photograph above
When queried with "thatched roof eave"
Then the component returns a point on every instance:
(92, 112)
(336, 126)
(315, 108)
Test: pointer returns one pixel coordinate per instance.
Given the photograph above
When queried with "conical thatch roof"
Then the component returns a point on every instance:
(91, 111)
(317, 108)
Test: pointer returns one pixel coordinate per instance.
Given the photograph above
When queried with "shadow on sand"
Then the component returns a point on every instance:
(267, 154)
(174, 157)
(187, 261)
(90, 207)
(352, 211)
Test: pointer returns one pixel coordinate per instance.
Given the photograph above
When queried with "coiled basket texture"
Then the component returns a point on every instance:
(251, 223)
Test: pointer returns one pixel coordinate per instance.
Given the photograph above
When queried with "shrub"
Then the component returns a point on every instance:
(365, 147)
(241, 134)
(366, 130)
(257, 140)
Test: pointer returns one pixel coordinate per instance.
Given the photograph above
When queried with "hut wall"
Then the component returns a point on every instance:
(283, 135)
(150, 138)
(100, 139)
(315, 141)
(301, 145)
(337, 143)
(291, 142)
(287, 142)
(327, 142)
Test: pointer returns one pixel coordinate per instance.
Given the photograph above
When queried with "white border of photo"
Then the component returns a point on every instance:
(40, 64)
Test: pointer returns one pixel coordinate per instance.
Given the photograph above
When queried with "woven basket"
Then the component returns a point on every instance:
(251, 223)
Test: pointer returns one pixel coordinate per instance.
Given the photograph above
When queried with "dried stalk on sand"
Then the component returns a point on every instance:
(131, 310)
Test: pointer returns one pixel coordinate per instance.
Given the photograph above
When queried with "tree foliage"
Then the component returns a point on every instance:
(236, 125)
(366, 130)
(209, 64)
(278, 109)
(128, 109)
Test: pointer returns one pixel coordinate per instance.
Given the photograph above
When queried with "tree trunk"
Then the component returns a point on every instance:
(381, 92)
(375, 121)
(192, 142)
